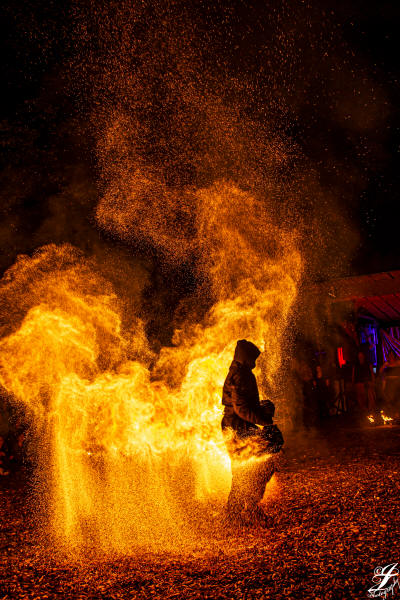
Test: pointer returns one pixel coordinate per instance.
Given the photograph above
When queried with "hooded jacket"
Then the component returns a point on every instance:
(242, 409)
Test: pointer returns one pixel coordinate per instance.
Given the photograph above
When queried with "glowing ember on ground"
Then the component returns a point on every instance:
(381, 418)
(385, 418)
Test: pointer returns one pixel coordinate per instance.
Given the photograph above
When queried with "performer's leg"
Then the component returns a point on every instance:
(235, 503)
(361, 396)
(258, 476)
(248, 487)
(371, 396)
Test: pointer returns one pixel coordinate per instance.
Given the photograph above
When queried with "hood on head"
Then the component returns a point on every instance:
(246, 352)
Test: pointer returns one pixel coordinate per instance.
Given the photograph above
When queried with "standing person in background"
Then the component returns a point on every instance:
(363, 379)
(390, 377)
(310, 399)
(322, 392)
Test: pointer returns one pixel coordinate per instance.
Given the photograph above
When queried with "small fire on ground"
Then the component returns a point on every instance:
(378, 419)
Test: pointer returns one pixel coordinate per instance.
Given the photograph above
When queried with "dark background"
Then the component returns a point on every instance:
(328, 72)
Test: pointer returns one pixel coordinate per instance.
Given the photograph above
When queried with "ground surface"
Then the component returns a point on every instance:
(335, 517)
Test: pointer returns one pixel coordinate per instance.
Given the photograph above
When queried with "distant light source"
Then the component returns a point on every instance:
(341, 360)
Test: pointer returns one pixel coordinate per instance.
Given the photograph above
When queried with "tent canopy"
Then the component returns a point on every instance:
(377, 294)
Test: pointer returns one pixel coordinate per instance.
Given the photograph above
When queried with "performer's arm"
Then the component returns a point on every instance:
(258, 415)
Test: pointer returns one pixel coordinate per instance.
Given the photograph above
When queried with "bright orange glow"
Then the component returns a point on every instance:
(385, 418)
(134, 440)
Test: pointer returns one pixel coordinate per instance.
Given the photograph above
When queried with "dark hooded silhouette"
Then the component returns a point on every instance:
(240, 396)
(243, 413)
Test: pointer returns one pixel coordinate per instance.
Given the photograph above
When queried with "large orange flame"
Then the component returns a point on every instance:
(130, 452)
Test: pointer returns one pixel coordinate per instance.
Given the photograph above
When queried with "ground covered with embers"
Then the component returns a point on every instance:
(334, 511)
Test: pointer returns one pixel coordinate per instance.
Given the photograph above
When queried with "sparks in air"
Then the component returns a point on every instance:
(131, 443)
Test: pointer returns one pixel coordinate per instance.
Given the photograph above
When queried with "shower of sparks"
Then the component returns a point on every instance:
(192, 179)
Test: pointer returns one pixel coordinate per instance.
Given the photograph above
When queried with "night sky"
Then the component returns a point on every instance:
(325, 73)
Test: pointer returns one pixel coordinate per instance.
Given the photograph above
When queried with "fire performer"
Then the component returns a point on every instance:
(249, 446)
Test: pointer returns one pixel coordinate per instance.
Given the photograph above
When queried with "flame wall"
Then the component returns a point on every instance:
(132, 448)
(185, 176)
